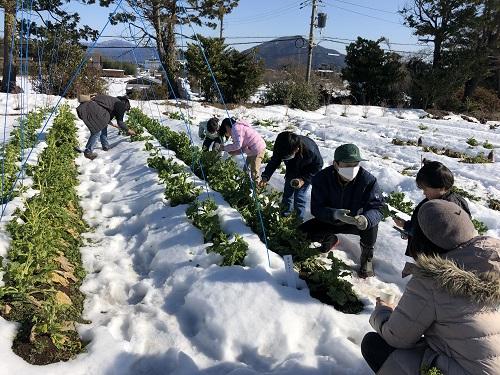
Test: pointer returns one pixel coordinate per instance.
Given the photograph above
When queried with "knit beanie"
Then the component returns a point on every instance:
(445, 224)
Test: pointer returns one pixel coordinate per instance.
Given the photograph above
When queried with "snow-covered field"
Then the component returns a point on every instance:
(159, 304)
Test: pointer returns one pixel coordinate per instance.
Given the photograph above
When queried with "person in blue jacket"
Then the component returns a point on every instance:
(302, 160)
(345, 198)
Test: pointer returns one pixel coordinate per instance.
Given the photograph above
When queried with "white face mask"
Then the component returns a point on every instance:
(349, 173)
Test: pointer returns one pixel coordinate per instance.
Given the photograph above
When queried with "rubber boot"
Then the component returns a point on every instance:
(365, 261)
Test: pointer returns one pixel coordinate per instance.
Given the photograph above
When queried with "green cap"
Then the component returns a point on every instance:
(348, 153)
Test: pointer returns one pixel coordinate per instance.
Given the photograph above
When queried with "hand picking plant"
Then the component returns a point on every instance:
(430, 371)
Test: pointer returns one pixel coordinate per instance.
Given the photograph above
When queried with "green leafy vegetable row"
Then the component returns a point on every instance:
(43, 273)
(23, 136)
(281, 233)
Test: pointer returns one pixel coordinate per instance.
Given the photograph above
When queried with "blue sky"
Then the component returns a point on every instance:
(256, 19)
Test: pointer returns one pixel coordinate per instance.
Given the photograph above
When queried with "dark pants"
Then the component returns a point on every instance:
(208, 142)
(294, 197)
(320, 231)
(375, 350)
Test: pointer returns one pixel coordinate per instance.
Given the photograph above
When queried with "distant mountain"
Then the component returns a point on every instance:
(121, 50)
(293, 49)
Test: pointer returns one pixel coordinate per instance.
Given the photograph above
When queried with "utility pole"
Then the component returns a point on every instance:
(311, 41)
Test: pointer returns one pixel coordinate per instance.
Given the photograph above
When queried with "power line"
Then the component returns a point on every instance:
(277, 38)
(395, 43)
(384, 49)
(266, 14)
(366, 7)
(363, 14)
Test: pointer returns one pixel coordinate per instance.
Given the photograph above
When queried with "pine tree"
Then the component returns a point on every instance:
(439, 20)
(238, 74)
(479, 46)
(465, 34)
(373, 74)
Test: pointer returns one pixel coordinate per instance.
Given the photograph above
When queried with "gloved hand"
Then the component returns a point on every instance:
(361, 222)
(217, 147)
(297, 183)
(263, 182)
(342, 215)
(131, 132)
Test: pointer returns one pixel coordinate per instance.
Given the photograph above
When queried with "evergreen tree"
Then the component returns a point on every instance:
(464, 31)
(439, 20)
(478, 47)
(431, 87)
(373, 74)
(163, 16)
(238, 74)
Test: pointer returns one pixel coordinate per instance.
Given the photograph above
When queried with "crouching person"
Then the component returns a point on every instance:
(345, 198)
(208, 131)
(97, 114)
(302, 160)
(245, 140)
(448, 316)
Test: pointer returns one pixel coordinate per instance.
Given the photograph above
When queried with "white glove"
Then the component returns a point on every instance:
(342, 215)
(361, 222)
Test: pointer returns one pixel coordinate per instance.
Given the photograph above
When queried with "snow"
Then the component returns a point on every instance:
(158, 303)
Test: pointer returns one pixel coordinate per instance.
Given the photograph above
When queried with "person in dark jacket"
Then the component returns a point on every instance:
(345, 198)
(302, 160)
(436, 181)
(97, 113)
(208, 131)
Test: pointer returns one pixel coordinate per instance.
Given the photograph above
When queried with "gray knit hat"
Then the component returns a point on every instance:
(445, 224)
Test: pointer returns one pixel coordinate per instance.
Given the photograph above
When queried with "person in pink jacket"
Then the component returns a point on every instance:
(246, 140)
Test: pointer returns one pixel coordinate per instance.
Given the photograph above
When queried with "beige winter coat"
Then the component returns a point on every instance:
(452, 300)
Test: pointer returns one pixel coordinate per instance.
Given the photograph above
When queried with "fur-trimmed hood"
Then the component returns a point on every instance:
(471, 270)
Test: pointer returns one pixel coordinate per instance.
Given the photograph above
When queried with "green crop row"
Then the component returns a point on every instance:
(23, 136)
(43, 273)
(261, 211)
